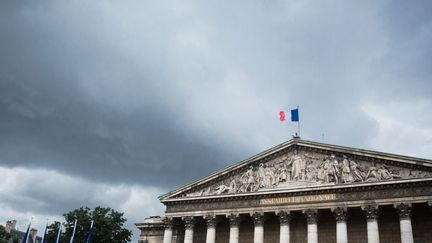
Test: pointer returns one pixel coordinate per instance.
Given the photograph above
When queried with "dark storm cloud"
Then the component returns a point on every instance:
(404, 72)
(110, 99)
(139, 92)
(73, 135)
(48, 119)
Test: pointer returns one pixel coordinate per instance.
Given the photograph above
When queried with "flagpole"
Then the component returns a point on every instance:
(28, 232)
(73, 233)
(58, 234)
(43, 237)
(90, 232)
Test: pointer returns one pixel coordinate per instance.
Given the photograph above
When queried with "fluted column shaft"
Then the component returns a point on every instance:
(211, 229)
(312, 225)
(168, 232)
(284, 219)
(404, 210)
(341, 226)
(258, 219)
(189, 225)
(234, 228)
(371, 212)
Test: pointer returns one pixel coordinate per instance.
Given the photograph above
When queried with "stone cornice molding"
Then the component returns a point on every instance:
(371, 212)
(340, 214)
(311, 216)
(404, 210)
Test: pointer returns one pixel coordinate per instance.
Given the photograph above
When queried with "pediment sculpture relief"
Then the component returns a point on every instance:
(300, 169)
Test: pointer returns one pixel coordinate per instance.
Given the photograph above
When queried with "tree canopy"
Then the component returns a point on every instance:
(4, 236)
(108, 226)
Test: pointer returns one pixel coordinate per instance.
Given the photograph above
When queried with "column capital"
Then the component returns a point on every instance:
(430, 203)
(404, 210)
(311, 216)
(258, 218)
(340, 214)
(210, 220)
(189, 222)
(371, 212)
(234, 219)
(284, 217)
(168, 223)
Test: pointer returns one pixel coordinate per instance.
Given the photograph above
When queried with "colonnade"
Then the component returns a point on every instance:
(340, 213)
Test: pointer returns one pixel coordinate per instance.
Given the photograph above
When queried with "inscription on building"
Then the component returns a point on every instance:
(298, 199)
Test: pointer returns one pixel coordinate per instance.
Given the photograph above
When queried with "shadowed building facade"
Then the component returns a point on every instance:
(302, 191)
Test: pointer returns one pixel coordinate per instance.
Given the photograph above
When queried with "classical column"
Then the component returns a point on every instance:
(234, 222)
(312, 225)
(371, 212)
(341, 226)
(168, 224)
(404, 210)
(258, 219)
(189, 225)
(284, 219)
(211, 229)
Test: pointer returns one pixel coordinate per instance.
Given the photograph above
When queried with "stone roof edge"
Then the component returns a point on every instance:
(305, 143)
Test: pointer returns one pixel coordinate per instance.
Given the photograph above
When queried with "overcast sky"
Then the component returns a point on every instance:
(113, 103)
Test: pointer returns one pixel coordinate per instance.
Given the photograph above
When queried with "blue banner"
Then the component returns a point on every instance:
(295, 115)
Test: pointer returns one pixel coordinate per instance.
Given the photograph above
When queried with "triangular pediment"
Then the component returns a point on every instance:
(300, 164)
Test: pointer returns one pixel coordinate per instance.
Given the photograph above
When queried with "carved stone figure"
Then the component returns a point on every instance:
(328, 173)
(269, 177)
(346, 171)
(298, 167)
(335, 171)
(355, 170)
(221, 189)
(248, 180)
(232, 186)
(372, 174)
(261, 176)
(385, 174)
(311, 173)
(322, 170)
(283, 174)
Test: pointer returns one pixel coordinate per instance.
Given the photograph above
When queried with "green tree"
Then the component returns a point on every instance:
(4, 236)
(108, 226)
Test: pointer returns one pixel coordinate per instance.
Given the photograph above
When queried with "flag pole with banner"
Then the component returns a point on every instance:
(295, 118)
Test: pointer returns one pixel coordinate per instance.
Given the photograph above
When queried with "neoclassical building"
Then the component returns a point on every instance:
(302, 191)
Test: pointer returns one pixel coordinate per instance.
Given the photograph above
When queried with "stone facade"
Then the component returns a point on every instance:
(302, 191)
